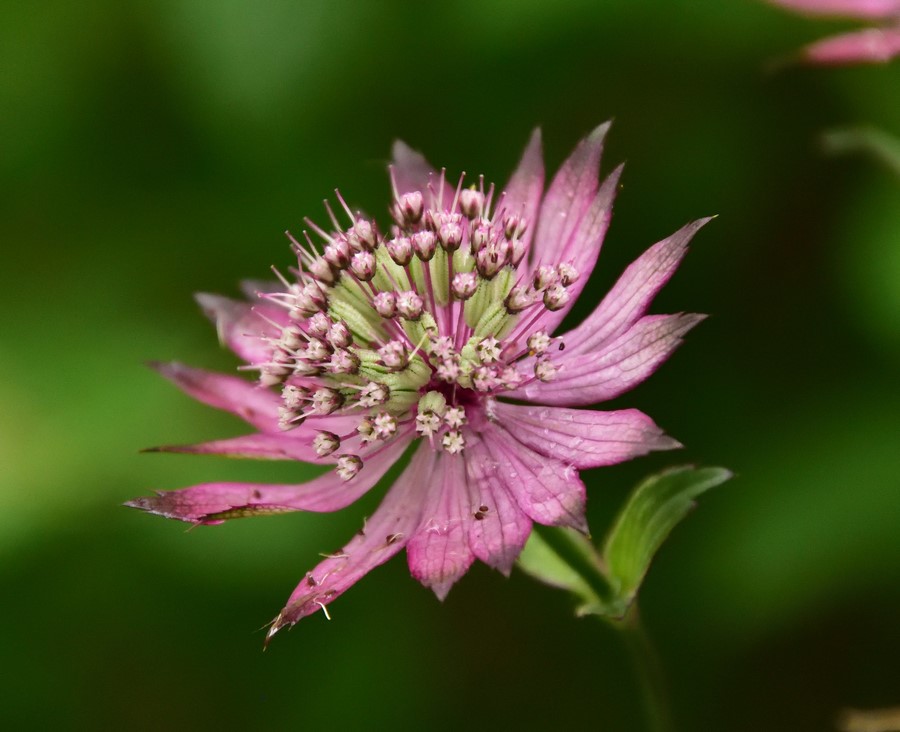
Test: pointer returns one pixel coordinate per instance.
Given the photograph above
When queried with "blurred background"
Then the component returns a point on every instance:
(149, 150)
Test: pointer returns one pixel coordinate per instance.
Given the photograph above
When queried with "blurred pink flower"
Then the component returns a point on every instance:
(440, 333)
(870, 45)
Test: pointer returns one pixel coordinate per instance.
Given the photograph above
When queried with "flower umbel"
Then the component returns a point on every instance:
(441, 332)
(877, 44)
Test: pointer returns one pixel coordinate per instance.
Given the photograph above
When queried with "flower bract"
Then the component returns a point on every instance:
(439, 335)
(876, 44)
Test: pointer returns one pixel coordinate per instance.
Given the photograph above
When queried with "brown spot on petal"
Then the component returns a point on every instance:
(391, 538)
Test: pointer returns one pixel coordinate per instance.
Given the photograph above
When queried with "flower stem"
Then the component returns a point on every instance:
(648, 670)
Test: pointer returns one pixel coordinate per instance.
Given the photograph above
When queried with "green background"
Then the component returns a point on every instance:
(152, 149)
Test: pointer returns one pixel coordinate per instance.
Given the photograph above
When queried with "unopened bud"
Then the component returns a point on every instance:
(409, 208)
(471, 202)
(545, 371)
(567, 274)
(294, 396)
(400, 249)
(362, 265)
(318, 325)
(339, 335)
(518, 299)
(424, 243)
(555, 297)
(464, 285)
(326, 401)
(344, 362)
(322, 271)
(544, 277)
(538, 343)
(394, 355)
(325, 443)
(348, 466)
(385, 304)
(450, 235)
(337, 253)
(365, 234)
(410, 305)
(292, 337)
(491, 259)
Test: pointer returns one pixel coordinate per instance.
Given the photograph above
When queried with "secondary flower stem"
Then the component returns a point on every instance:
(648, 670)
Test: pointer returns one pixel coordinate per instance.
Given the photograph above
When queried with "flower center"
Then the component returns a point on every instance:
(415, 329)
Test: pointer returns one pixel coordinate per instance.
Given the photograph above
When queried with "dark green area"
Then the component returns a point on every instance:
(152, 149)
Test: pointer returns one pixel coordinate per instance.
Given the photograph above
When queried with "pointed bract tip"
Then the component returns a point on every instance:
(442, 589)
(599, 132)
(400, 150)
(210, 303)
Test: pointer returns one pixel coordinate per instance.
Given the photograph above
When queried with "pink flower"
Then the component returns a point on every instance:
(442, 336)
(871, 45)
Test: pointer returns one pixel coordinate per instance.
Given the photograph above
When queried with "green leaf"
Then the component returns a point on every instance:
(870, 141)
(652, 511)
(566, 559)
(606, 584)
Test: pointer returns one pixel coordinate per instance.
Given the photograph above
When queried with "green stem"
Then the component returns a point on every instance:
(649, 672)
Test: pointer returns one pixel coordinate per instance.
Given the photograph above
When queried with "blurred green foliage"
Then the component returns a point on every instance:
(149, 150)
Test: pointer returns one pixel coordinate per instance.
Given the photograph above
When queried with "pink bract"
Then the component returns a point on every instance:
(438, 335)
(877, 44)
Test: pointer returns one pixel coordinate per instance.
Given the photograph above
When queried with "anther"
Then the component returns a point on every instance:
(288, 419)
(384, 425)
(322, 271)
(544, 370)
(488, 350)
(453, 442)
(538, 343)
(455, 417)
(510, 378)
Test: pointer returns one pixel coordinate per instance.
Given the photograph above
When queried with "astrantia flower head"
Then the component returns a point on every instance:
(871, 45)
(439, 332)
